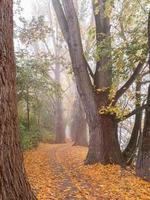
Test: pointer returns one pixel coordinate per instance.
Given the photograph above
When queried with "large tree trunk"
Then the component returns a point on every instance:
(78, 124)
(104, 146)
(143, 160)
(12, 175)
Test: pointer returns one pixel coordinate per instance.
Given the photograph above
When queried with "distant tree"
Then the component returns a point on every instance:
(78, 123)
(14, 184)
(34, 32)
(32, 80)
(59, 120)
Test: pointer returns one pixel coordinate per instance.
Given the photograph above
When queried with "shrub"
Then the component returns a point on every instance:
(47, 137)
(29, 139)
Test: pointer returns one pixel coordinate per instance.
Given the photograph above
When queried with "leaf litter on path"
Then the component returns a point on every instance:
(57, 172)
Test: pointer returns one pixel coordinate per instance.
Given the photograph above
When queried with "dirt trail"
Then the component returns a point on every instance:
(56, 172)
(71, 183)
(64, 181)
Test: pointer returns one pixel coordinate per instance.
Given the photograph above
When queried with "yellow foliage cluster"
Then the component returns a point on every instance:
(117, 110)
(57, 172)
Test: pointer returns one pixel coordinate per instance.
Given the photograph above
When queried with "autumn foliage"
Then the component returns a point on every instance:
(56, 171)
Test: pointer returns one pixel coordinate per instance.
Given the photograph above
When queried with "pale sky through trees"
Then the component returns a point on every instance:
(27, 6)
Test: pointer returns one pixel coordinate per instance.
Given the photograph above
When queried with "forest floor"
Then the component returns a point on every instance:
(57, 172)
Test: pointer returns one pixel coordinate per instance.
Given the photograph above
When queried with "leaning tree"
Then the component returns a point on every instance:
(12, 175)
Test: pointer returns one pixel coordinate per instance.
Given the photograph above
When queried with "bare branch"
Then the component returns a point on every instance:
(145, 82)
(90, 71)
(136, 110)
(132, 78)
(145, 73)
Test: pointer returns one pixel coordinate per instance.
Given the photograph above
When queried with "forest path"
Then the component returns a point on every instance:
(58, 164)
(57, 172)
(70, 181)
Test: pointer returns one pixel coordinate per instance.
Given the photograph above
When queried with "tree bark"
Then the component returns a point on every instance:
(14, 184)
(104, 148)
(103, 74)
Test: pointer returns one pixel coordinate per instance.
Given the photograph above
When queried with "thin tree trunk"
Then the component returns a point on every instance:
(129, 152)
(59, 122)
(59, 126)
(12, 175)
(143, 160)
(28, 109)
